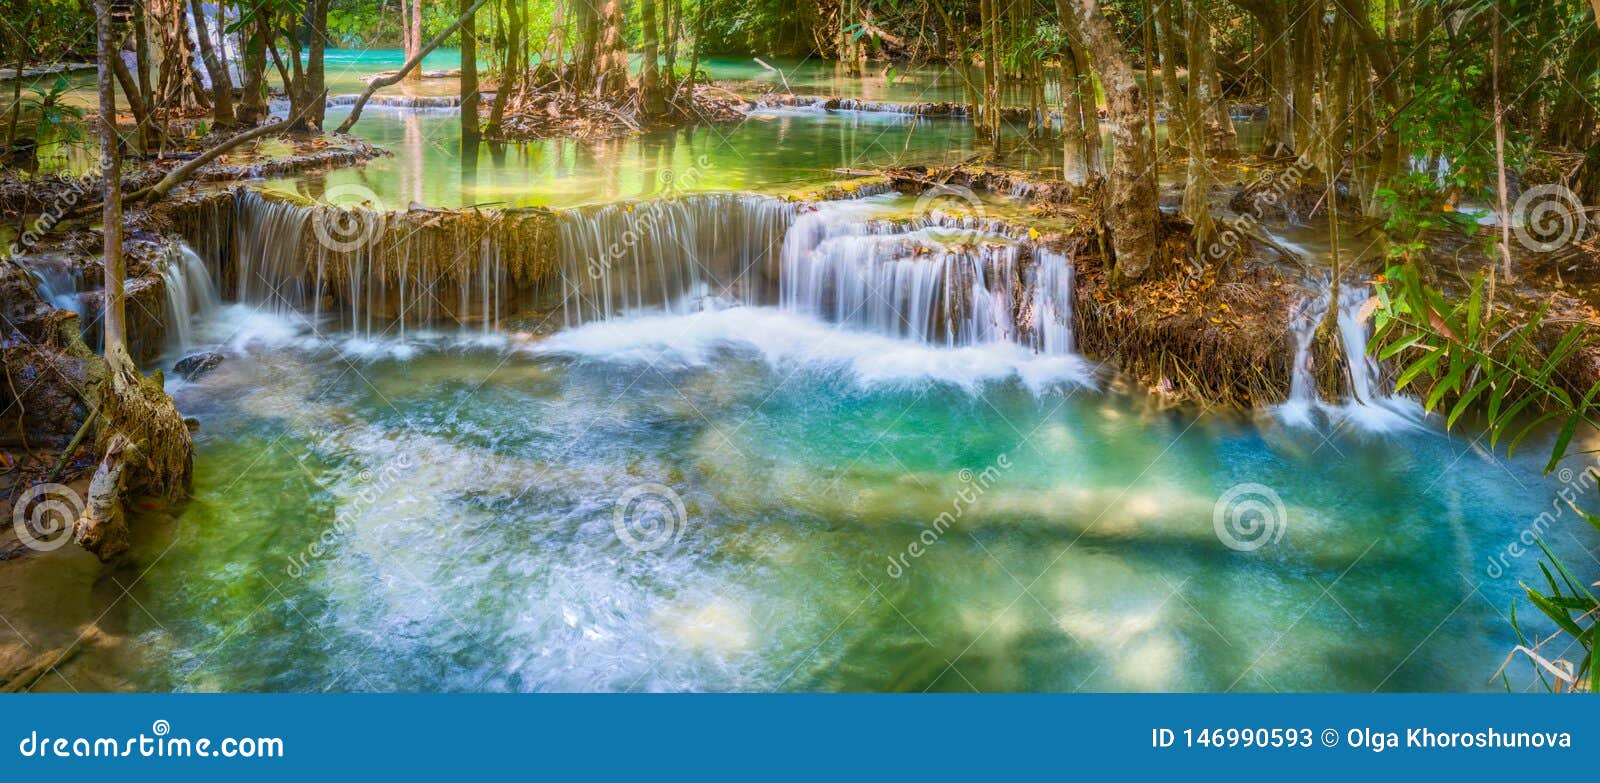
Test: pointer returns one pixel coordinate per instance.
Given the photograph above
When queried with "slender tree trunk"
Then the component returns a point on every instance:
(314, 73)
(1131, 189)
(1500, 147)
(1074, 118)
(1171, 91)
(509, 77)
(221, 83)
(114, 330)
(414, 37)
(1308, 19)
(1197, 112)
(141, 58)
(469, 72)
(650, 97)
(130, 90)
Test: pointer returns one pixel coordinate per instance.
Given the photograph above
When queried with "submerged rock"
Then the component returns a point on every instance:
(196, 365)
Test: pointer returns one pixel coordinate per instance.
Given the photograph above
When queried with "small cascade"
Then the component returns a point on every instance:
(271, 264)
(190, 294)
(927, 285)
(1370, 402)
(58, 283)
(1051, 282)
(670, 255)
(1297, 410)
(937, 279)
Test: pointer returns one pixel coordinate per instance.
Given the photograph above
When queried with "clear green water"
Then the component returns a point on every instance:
(770, 150)
(471, 495)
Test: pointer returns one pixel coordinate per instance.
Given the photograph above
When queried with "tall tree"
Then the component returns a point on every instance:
(221, 82)
(650, 97)
(114, 329)
(469, 71)
(1129, 211)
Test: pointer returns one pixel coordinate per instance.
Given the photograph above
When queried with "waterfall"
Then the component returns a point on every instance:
(58, 283)
(936, 278)
(951, 287)
(190, 293)
(1370, 403)
(1052, 275)
(1297, 410)
(671, 254)
(271, 267)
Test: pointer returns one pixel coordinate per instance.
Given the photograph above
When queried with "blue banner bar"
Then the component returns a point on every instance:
(758, 737)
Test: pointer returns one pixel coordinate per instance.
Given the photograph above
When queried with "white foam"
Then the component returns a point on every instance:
(791, 339)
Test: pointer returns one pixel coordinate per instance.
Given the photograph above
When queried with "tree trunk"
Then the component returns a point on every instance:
(414, 36)
(1197, 112)
(1172, 95)
(221, 82)
(114, 331)
(509, 77)
(469, 72)
(1500, 146)
(1129, 211)
(650, 98)
(411, 64)
(253, 92)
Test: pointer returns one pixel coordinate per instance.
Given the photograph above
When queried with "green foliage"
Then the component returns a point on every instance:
(1413, 205)
(1573, 608)
(1467, 355)
(58, 121)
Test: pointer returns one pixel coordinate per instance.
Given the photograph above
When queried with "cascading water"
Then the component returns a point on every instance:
(671, 254)
(856, 286)
(940, 279)
(58, 283)
(190, 294)
(271, 266)
(1370, 404)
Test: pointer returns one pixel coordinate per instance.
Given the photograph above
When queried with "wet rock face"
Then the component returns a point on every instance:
(195, 365)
